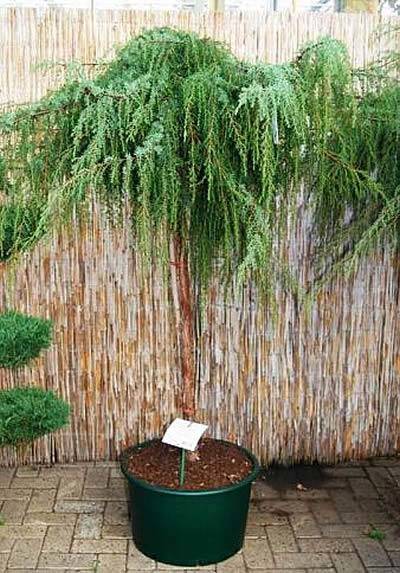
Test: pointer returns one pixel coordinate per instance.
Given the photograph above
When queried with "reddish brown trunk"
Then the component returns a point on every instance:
(186, 328)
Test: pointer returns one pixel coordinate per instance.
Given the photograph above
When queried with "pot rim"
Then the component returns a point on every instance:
(157, 488)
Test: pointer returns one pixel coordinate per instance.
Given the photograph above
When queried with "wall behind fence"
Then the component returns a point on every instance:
(321, 386)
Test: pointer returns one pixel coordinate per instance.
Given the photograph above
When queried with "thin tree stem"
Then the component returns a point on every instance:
(186, 328)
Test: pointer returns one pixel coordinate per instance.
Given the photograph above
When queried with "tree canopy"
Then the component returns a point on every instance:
(213, 150)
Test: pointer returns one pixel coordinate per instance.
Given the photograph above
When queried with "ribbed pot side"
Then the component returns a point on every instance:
(189, 528)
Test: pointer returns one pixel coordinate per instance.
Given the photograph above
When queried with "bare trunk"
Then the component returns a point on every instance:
(370, 6)
(186, 328)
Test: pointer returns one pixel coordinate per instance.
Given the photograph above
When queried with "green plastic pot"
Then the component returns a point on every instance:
(188, 528)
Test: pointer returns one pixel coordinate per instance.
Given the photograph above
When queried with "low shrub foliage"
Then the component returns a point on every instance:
(22, 338)
(27, 413)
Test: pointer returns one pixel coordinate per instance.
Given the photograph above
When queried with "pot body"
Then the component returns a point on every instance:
(189, 528)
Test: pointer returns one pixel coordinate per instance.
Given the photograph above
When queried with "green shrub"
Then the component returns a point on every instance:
(27, 413)
(22, 337)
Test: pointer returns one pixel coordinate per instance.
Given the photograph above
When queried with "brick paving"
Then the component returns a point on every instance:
(307, 519)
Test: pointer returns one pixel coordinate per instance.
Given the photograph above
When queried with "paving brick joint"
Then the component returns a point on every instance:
(72, 518)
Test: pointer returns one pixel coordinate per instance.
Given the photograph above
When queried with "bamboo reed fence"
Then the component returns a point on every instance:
(322, 385)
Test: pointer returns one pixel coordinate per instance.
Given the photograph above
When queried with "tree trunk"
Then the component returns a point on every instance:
(216, 5)
(354, 6)
(186, 328)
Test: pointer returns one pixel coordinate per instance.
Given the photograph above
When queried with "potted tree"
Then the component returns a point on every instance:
(26, 412)
(209, 153)
(161, 137)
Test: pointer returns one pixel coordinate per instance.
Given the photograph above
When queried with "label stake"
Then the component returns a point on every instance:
(182, 468)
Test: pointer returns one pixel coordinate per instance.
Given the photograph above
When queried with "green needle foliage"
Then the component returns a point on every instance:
(215, 151)
(19, 224)
(28, 413)
(22, 338)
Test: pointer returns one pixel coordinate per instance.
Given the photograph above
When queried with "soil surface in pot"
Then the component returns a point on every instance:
(214, 464)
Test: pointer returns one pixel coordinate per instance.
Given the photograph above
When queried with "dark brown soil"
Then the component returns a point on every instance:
(218, 464)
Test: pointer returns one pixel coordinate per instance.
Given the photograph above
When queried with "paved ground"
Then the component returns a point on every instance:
(74, 518)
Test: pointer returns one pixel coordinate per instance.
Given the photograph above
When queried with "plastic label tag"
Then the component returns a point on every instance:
(184, 434)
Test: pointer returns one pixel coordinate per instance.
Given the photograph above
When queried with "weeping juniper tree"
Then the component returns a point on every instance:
(210, 154)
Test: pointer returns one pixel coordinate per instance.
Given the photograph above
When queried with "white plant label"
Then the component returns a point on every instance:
(184, 434)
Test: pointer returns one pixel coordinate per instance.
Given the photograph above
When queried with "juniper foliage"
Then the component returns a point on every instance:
(213, 150)
(22, 338)
(27, 413)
